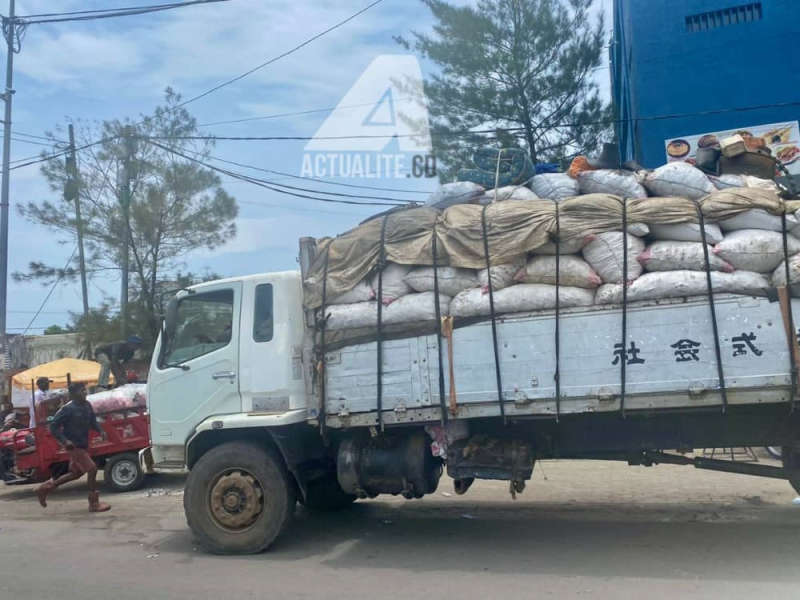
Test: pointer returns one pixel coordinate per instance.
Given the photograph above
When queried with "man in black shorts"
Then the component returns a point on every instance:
(71, 427)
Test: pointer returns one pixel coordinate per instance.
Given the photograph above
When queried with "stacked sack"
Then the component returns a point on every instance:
(745, 253)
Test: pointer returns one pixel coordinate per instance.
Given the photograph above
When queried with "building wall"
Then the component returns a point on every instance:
(672, 71)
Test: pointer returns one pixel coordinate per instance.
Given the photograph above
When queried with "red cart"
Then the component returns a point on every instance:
(38, 456)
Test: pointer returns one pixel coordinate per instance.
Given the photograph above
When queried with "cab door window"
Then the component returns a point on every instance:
(203, 324)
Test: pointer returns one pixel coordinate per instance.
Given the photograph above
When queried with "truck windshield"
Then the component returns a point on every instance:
(202, 325)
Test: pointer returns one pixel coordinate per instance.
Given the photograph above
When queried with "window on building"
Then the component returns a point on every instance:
(736, 15)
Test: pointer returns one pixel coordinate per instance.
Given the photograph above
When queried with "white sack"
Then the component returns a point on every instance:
(573, 271)
(678, 284)
(555, 186)
(605, 255)
(681, 256)
(638, 229)
(450, 194)
(779, 274)
(725, 182)
(678, 179)
(620, 183)
(451, 280)
(757, 218)
(410, 308)
(686, 232)
(571, 246)
(510, 192)
(519, 298)
(502, 275)
(394, 286)
(363, 292)
(755, 249)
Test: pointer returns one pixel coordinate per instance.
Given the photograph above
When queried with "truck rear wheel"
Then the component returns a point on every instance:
(326, 494)
(239, 498)
(123, 473)
(791, 460)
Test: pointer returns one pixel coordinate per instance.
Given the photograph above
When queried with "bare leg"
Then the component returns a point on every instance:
(66, 478)
(91, 479)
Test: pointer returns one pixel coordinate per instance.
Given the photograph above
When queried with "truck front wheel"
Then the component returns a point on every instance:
(239, 498)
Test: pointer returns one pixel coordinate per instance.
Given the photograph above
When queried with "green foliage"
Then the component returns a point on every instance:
(58, 330)
(175, 207)
(524, 64)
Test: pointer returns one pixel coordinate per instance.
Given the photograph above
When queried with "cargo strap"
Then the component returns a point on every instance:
(785, 296)
(624, 355)
(438, 308)
(379, 333)
(493, 315)
(557, 374)
(323, 322)
(713, 307)
(448, 325)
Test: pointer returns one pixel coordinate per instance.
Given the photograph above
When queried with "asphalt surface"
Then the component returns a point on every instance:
(596, 530)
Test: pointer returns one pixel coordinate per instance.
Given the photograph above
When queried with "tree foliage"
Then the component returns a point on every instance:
(506, 64)
(176, 206)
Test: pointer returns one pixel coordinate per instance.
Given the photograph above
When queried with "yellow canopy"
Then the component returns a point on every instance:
(86, 371)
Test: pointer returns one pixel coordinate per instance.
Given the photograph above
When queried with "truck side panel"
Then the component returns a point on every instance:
(669, 353)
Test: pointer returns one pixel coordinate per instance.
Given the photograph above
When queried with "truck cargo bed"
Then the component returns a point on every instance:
(670, 356)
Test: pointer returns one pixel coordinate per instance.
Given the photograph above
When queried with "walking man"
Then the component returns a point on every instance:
(71, 427)
(112, 358)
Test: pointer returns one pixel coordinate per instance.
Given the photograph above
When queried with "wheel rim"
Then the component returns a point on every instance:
(124, 473)
(235, 500)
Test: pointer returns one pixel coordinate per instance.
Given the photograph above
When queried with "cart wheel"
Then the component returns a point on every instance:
(123, 473)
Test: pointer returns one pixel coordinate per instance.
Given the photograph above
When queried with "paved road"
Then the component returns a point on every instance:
(598, 530)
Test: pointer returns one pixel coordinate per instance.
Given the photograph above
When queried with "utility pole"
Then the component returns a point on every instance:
(125, 200)
(10, 31)
(72, 193)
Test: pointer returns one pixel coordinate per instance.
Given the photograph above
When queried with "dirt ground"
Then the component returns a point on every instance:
(581, 529)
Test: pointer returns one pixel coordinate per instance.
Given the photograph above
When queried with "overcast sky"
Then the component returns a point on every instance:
(120, 67)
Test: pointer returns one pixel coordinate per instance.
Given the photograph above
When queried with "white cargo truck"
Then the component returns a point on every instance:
(266, 409)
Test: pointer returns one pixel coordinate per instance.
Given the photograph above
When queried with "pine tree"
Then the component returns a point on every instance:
(505, 64)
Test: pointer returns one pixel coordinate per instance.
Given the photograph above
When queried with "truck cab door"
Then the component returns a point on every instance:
(194, 374)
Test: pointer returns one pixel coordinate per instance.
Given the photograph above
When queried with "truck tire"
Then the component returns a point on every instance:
(325, 494)
(791, 460)
(123, 473)
(239, 497)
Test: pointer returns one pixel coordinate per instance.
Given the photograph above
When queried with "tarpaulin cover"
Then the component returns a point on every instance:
(514, 228)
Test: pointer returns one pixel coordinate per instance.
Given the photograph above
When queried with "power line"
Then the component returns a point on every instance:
(290, 176)
(295, 114)
(52, 289)
(109, 13)
(276, 188)
(494, 130)
(280, 56)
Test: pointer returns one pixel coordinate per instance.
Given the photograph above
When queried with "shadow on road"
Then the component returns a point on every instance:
(539, 538)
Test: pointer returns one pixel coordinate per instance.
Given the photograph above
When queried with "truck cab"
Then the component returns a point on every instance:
(229, 357)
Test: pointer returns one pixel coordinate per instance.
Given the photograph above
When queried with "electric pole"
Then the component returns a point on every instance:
(72, 193)
(10, 31)
(125, 200)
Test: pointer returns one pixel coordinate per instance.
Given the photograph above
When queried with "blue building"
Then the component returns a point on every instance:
(738, 61)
